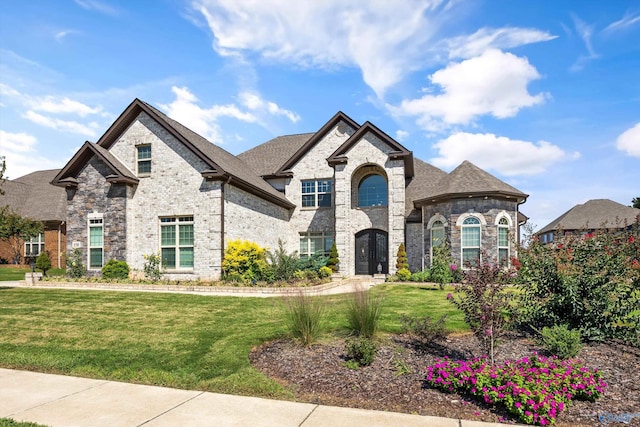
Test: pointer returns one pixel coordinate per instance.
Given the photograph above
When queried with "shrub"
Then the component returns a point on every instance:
(43, 262)
(244, 261)
(561, 341)
(304, 315)
(152, 266)
(282, 265)
(325, 272)
(363, 313)
(403, 274)
(75, 268)
(115, 269)
(333, 262)
(420, 276)
(402, 261)
(441, 266)
(425, 330)
(590, 283)
(361, 350)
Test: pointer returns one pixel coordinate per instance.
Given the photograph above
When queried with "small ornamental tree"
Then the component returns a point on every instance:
(75, 268)
(442, 265)
(333, 262)
(43, 262)
(402, 261)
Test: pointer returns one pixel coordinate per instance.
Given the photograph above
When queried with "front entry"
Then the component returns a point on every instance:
(372, 249)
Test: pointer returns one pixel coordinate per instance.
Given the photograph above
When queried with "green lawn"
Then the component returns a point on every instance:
(183, 341)
(8, 422)
(13, 273)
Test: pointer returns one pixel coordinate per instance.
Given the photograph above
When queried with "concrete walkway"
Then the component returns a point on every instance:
(61, 401)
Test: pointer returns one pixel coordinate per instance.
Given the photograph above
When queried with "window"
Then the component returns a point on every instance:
(96, 243)
(313, 243)
(316, 193)
(34, 246)
(503, 242)
(372, 191)
(176, 242)
(437, 236)
(144, 159)
(470, 241)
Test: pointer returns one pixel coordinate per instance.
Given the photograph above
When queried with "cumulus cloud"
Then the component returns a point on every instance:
(494, 83)
(508, 156)
(19, 150)
(629, 141)
(65, 105)
(70, 126)
(385, 40)
(254, 102)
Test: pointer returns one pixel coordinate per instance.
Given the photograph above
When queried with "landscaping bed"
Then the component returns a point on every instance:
(395, 380)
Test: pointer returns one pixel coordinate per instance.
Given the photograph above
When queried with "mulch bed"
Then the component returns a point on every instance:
(394, 382)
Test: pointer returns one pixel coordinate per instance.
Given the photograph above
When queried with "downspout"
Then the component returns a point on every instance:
(422, 237)
(59, 242)
(222, 200)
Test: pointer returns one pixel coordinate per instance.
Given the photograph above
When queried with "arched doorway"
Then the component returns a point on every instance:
(372, 249)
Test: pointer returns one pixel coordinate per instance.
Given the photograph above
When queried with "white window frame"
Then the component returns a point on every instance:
(433, 223)
(461, 223)
(95, 220)
(37, 241)
(307, 237)
(316, 193)
(143, 160)
(176, 222)
(503, 227)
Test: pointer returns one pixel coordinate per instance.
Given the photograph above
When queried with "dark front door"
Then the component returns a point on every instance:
(371, 252)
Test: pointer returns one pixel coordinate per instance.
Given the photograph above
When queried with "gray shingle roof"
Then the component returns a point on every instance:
(423, 183)
(594, 214)
(268, 158)
(34, 197)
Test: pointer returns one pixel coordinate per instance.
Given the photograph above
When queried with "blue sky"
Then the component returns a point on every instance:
(544, 95)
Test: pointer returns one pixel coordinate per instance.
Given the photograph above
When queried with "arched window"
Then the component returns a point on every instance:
(470, 241)
(437, 236)
(372, 191)
(503, 242)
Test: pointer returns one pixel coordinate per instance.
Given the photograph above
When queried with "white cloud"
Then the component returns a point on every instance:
(508, 156)
(98, 6)
(477, 43)
(585, 32)
(494, 83)
(254, 102)
(629, 141)
(70, 126)
(627, 20)
(61, 35)
(401, 135)
(19, 150)
(65, 105)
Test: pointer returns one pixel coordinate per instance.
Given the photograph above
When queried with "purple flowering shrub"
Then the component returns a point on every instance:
(533, 389)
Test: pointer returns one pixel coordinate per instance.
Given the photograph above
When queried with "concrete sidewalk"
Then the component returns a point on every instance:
(61, 401)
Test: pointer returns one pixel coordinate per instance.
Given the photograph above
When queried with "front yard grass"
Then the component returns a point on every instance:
(174, 340)
(8, 273)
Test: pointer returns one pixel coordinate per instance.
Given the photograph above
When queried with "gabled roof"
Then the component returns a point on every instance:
(594, 214)
(267, 158)
(34, 197)
(399, 152)
(67, 175)
(468, 180)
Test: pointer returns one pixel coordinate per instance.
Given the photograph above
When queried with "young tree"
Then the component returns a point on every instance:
(43, 262)
(402, 261)
(635, 202)
(333, 262)
(3, 168)
(16, 229)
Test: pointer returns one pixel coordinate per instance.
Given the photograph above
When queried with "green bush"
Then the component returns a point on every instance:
(403, 274)
(115, 269)
(561, 341)
(43, 262)
(282, 265)
(75, 268)
(441, 266)
(421, 276)
(361, 350)
(325, 272)
(363, 313)
(425, 330)
(402, 261)
(153, 266)
(333, 262)
(304, 315)
(244, 261)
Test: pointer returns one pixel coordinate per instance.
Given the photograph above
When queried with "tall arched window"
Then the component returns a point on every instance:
(503, 242)
(372, 191)
(470, 241)
(437, 236)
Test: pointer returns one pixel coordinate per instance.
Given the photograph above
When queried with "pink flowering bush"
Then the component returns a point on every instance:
(533, 389)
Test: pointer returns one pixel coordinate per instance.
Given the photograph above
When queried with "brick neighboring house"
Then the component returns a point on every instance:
(152, 185)
(593, 215)
(33, 196)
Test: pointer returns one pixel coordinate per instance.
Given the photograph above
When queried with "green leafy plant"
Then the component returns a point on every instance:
(75, 267)
(152, 266)
(403, 274)
(363, 313)
(441, 266)
(115, 269)
(401, 367)
(244, 261)
(361, 350)
(402, 261)
(325, 272)
(425, 330)
(333, 262)
(304, 315)
(561, 341)
(43, 262)
(420, 276)
(283, 265)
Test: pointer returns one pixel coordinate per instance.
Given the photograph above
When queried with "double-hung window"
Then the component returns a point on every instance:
(437, 236)
(96, 242)
(176, 242)
(471, 241)
(316, 193)
(34, 246)
(314, 243)
(503, 242)
(143, 158)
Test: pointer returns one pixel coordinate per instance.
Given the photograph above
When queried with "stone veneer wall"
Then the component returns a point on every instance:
(95, 195)
(413, 243)
(490, 208)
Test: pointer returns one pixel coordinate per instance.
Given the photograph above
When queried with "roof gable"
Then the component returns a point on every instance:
(399, 152)
(594, 214)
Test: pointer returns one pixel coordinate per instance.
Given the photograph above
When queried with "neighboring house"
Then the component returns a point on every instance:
(151, 185)
(32, 196)
(594, 215)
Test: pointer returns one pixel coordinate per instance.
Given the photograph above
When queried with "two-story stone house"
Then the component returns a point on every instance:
(152, 185)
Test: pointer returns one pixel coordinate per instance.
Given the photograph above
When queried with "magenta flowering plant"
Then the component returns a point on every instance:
(533, 389)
